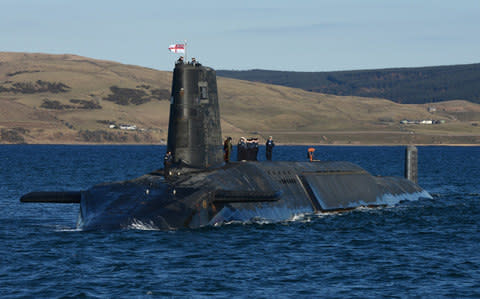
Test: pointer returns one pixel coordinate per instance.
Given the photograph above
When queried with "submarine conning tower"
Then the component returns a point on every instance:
(194, 132)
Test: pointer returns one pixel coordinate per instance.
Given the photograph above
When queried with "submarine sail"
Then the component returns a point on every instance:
(194, 132)
(202, 190)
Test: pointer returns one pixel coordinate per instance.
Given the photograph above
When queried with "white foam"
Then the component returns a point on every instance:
(68, 229)
(302, 217)
(391, 199)
(139, 225)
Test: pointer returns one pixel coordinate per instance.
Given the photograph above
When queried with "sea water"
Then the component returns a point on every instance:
(424, 248)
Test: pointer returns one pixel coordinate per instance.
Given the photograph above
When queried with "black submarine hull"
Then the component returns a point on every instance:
(197, 188)
(241, 191)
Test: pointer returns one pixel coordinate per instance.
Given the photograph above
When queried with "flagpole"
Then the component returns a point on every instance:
(186, 58)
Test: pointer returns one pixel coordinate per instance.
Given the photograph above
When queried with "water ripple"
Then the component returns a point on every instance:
(425, 248)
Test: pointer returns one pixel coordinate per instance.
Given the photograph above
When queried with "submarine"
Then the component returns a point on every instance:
(199, 189)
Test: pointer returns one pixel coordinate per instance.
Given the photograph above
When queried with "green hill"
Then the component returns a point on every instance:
(401, 85)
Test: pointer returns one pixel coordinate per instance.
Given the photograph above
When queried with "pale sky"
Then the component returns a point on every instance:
(313, 35)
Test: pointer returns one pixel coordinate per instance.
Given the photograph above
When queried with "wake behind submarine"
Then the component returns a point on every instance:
(199, 189)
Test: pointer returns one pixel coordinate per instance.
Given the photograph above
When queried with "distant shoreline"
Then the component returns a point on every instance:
(278, 144)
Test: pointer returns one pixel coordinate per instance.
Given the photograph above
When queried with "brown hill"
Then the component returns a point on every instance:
(72, 99)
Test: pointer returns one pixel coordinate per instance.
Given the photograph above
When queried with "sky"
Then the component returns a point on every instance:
(309, 35)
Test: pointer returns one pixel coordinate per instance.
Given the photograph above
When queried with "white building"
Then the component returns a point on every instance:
(128, 127)
(426, 122)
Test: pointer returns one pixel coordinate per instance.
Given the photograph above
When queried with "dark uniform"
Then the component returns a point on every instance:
(250, 145)
(269, 148)
(167, 163)
(252, 149)
(255, 149)
(227, 149)
(241, 150)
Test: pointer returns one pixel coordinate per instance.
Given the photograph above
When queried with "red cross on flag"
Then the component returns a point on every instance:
(177, 48)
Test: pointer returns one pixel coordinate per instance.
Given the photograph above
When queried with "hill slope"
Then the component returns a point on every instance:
(72, 99)
(401, 85)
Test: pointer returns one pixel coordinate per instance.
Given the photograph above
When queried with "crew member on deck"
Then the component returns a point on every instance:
(250, 149)
(167, 163)
(255, 149)
(269, 148)
(180, 60)
(227, 149)
(242, 149)
(310, 152)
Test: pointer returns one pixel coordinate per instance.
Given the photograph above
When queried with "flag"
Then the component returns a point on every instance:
(177, 48)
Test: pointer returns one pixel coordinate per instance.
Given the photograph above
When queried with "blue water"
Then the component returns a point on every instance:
(425, 248)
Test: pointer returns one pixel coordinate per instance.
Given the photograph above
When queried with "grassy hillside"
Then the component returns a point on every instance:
(401, 85)
(72, 99)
